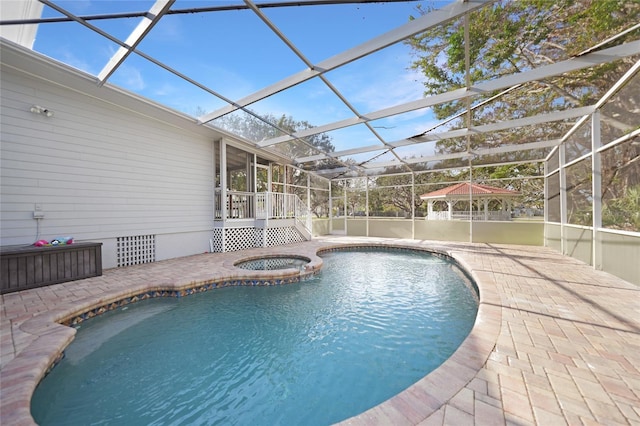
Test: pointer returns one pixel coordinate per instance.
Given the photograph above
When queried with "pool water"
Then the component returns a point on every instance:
(368, 326)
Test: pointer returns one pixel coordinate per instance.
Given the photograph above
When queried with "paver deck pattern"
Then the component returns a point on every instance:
(555, 341)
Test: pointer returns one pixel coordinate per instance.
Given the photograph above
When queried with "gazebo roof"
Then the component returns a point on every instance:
(462, 190)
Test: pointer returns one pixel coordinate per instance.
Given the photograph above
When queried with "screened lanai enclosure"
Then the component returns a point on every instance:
(225, 125)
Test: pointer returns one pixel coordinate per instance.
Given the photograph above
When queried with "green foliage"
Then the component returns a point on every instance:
(623, 212)
(271, 126)
(513, 36)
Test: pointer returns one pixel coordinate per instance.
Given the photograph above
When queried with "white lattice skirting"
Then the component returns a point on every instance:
(283, 236)
(235, 239)
(136, 249)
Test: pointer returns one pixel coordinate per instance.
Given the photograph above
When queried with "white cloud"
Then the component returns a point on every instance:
(386, 83)
(165, 89)
(81, 6)
(126, 75)
(67, 56)
(167, 30)
(129, 77)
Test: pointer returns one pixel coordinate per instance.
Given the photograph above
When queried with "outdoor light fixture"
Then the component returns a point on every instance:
(37, 109)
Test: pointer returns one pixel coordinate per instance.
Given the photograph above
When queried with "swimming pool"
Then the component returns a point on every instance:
(369, 325)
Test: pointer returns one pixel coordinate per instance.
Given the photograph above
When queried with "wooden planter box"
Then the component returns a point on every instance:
(23, 267)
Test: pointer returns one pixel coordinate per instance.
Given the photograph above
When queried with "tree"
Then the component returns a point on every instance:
(270, 126)
(356, 196)
(624, 212)
(393, 189)
(514, 36)
(510, 37)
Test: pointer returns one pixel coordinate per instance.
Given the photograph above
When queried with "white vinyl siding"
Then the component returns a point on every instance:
(98, 170)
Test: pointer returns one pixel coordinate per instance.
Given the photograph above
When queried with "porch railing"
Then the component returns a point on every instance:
(240, 205)
(303, 216)
(464, 215)
(263, 205)
(276, 205)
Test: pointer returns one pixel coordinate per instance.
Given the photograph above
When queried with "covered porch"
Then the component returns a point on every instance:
(255, 201)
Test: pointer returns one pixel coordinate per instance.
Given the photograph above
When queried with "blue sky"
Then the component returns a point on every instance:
(235, 54)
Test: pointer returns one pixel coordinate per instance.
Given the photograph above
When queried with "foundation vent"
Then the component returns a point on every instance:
(135, 250)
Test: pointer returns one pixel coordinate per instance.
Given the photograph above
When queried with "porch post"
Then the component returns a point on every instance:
(214, 158)
(223, 192)
(450, 212)
(486, 209)
(254, 170)
(429, 209)
(223, 180)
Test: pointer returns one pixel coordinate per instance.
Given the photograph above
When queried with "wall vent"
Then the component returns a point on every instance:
(135, 250)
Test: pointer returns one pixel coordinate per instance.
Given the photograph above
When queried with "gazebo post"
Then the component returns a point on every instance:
(486, 209)
(450, 212)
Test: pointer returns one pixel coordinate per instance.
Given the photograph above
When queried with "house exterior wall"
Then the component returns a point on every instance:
(99, 171)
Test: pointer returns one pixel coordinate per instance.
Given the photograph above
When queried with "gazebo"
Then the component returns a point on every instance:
(474, 191)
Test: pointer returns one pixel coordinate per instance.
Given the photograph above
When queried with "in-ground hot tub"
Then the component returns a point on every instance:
(271, 263)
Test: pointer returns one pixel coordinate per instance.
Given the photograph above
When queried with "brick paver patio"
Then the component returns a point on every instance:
(555, 342)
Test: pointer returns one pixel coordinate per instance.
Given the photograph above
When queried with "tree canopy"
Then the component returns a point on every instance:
(270, 126)
(514, 36)
(510, 37)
